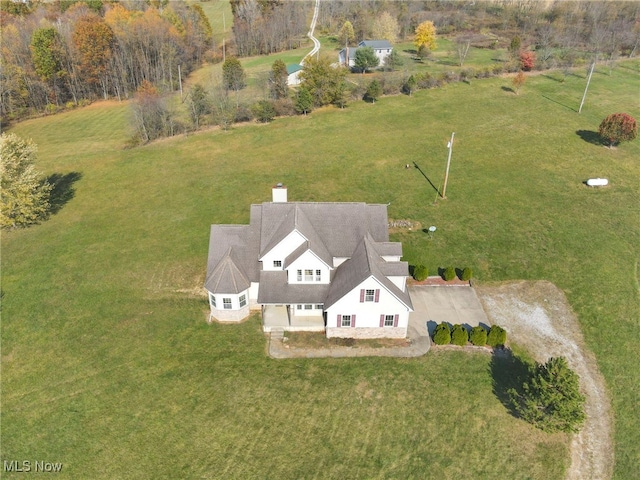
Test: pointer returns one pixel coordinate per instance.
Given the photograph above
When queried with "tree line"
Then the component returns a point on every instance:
(262, 27)
(557, 31)
(61, 52)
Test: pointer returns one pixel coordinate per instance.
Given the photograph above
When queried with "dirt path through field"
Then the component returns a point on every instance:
(538, 317)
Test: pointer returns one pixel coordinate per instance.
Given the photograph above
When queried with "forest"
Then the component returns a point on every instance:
(55, 53)
(61, 54)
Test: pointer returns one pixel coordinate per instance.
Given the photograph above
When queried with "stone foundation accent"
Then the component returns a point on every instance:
(229, 315)
(388, 332)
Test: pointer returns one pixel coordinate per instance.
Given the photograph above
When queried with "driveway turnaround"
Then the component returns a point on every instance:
(452, 304)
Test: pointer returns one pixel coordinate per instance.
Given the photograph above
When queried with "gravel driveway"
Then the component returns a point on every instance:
(538, 317)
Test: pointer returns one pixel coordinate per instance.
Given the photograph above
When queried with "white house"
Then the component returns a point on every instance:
(293, 74)
(311, 266)
(382, 48)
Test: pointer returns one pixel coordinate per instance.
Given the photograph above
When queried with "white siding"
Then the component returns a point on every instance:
(399, 282)
(233, 297)
(294, 78)
(308, 261)
(236, 312)
(367, 313)
(282, 250)
(253, 292)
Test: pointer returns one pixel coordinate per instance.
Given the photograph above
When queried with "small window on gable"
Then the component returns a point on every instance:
(226, 302)
(388, 320)
(243, 300)
(277, 263)
(369, 295)
(308, 275)
(318, 275)
(299, 275)
(346, 320)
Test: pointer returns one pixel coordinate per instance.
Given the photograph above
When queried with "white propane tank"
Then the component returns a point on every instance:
(597, 182)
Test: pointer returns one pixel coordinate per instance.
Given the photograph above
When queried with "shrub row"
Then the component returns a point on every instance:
(450, 273)
(420, 273)
(458, 335)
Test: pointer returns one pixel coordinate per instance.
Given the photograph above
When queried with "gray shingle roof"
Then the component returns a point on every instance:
(274, 289)
(353, 230)
(227, 276)
(376, 44)
(242, 240)
(338, 226)
(364, 263)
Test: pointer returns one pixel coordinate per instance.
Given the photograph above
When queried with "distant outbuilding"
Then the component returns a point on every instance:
(293, 74)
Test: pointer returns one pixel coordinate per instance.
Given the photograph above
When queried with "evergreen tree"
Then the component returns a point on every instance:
(374, 90)
(366, 59)
(278, 80)
(551, 399)
(24, 196)
(199, 104)
(304, 101)
(233, 75)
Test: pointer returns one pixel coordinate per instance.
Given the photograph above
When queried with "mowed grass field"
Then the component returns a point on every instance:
(110, 368)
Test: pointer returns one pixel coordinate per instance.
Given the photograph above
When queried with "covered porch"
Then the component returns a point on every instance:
(280, 317)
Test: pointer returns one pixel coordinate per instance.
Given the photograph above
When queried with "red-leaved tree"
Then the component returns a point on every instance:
(618, 127)
(527, 60)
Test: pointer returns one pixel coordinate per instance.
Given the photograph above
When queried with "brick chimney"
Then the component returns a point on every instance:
(279, 193)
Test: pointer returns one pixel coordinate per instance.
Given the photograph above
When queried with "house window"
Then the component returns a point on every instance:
(308, 307)
(318, 275)
(388, 320)
(243, 300)
(212, 299)
(299, 275)
(319, 306)
(226, 302)
(308, 275)
(298, 307)
(369, 295)
(277, 263)
(346, 321)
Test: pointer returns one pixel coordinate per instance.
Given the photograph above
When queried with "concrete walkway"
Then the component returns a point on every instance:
(419, 344)
(432, 304)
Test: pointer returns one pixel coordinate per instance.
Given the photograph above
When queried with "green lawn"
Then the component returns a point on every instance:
(218, 13)
(110, 367)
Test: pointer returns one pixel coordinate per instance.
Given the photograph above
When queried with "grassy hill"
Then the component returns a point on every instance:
(110, 368)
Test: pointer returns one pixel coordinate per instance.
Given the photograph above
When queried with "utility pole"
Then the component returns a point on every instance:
(588, 80)
(180, 80)
(446, 175)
